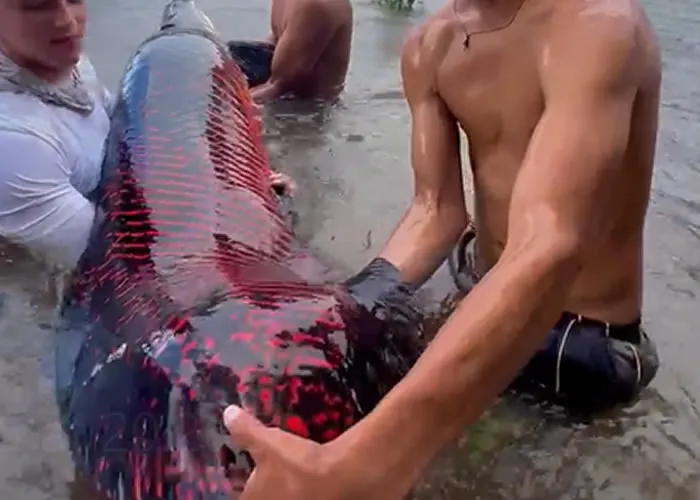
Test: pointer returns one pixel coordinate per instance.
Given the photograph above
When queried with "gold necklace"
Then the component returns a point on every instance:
(468, 35)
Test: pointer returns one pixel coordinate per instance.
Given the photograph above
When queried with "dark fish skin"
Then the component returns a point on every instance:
(189, 298)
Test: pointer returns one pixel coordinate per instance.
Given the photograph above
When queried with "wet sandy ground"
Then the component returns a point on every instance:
(353, 167)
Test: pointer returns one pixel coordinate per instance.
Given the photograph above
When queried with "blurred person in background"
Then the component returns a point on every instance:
(306, 55)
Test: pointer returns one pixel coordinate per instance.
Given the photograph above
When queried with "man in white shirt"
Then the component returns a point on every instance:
(53, 123)
(54, 119)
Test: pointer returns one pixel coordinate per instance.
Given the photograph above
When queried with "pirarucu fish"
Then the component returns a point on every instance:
(189, 295)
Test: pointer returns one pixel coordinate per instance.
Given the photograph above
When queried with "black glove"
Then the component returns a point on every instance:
(385, 330)
(378, 289)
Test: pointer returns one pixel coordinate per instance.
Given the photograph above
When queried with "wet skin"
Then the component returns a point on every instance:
(312, 48)
(496, 93)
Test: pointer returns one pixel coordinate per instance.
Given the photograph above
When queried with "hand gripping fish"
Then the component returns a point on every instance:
(189, 296)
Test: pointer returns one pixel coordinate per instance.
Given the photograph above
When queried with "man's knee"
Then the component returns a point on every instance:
(636, 363)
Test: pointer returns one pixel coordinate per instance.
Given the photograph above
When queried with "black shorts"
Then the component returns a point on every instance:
(587, 365)
(584, 364)
(254, 58)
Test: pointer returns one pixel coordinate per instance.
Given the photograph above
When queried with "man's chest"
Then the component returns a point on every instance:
(493, 88)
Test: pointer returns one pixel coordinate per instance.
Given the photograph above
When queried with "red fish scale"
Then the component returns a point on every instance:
(210, 143)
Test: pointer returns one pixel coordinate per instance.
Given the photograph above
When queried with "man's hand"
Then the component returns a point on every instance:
(293, 468)
(282, 184)
(286, 466)
(265, 92)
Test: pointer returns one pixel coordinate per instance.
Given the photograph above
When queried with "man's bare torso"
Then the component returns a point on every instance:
(328, 76)
(493, 89)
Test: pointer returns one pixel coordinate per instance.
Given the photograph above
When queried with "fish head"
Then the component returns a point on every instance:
(185, 14)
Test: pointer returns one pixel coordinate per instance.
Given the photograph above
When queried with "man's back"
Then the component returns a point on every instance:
(330, 68)
(488, 73)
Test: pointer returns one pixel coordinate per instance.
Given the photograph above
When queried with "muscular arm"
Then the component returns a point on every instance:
(310, 29)
(437, 213)
(563, 206)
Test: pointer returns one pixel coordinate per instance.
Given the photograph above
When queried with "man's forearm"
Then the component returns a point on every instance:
(480, 349)
(422, 240)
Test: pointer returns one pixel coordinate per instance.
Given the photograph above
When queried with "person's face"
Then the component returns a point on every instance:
(43, 34)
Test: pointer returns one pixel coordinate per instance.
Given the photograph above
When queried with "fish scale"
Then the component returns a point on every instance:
(207, 140)
(190, 297)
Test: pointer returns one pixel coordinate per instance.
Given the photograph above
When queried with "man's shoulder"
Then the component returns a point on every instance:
(587, 9)
(620, 22)
(603, 39)
(426, 45)
(434, 33)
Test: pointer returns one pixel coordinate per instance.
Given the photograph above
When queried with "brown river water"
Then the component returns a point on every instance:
(352, 167)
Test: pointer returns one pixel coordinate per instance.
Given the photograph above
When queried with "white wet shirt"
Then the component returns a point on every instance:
(50, 161)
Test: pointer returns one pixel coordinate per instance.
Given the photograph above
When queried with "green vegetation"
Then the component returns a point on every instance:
(399, 5)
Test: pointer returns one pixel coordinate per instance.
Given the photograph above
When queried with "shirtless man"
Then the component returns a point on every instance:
(559, 100)
(311, 41)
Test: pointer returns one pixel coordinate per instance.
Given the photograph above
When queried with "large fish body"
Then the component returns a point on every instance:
(188, 295)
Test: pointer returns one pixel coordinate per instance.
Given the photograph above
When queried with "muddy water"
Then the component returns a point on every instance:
(352, 164)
